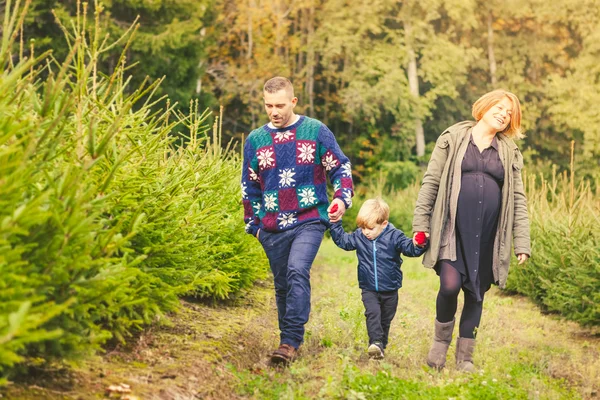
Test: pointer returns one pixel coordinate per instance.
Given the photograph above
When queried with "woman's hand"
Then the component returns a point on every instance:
(416, 243)
(522, 258)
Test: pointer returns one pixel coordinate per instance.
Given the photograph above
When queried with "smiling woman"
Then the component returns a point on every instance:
(501, 111)
(472, 205)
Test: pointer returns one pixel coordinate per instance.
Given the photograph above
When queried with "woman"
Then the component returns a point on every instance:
(471, 206)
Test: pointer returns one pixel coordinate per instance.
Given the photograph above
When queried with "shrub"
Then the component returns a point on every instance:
(399, 174)
(103, 220)
(563, 274)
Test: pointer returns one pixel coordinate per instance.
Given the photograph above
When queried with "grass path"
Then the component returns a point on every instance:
(221, 352)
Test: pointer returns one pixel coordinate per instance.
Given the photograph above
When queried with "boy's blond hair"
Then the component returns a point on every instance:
(373, 211)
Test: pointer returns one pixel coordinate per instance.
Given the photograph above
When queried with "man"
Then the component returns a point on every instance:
(284, 192)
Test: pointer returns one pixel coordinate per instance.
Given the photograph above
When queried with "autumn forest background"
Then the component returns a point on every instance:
(387, 76)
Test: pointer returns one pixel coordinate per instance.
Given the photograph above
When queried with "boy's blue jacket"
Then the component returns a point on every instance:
(379, 259)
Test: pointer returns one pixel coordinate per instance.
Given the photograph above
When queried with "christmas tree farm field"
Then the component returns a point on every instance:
(107, 216)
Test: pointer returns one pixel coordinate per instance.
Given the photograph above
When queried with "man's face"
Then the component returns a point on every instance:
(280, 107)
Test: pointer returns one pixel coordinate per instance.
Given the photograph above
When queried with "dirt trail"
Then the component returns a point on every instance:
(221, 352)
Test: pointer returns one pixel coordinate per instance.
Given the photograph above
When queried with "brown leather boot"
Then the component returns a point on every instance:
(464, 354)
(441, 341)
(284, 355)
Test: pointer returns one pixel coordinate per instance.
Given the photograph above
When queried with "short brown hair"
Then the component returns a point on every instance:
(488, 100)
(373, 211)
(278, 83)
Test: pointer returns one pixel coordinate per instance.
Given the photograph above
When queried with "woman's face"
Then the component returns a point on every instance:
(498, 117)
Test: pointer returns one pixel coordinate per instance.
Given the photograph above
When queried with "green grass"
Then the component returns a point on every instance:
(516, 356)
(222, 351)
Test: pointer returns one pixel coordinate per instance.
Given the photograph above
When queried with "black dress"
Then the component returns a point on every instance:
(479, 204)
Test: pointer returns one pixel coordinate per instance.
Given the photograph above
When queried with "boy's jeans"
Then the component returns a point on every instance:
(291, 254)
(380, 309)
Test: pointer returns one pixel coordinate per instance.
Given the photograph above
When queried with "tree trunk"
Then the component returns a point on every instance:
(491, 55)
(251, 7)
(413, 84)
(301, 32)
(310, 62)
(253, 110)
(297, 30)
(277, 12)
(280, 14)
(325, 116)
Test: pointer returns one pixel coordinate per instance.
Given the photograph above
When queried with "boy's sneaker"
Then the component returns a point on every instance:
(376, 350)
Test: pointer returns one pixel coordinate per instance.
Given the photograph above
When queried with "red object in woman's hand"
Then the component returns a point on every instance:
(420, 238)
(333, 209)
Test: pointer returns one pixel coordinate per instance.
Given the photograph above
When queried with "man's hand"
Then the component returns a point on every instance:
(416, 242)
(336, 215)
(258, 233)
(522, 258)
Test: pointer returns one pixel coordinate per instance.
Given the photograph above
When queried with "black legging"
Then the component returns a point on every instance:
(450, 285)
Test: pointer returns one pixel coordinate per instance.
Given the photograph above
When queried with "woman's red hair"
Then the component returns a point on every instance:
(488, 100)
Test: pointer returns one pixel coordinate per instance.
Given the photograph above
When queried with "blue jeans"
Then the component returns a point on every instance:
(291, 254)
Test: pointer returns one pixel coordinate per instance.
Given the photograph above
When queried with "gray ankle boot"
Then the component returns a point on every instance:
(464, 354)
(441, 341)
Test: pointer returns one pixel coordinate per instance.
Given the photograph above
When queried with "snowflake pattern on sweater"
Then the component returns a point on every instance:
(284, 176)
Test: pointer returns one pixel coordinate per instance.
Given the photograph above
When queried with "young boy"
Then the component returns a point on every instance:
(378, 246)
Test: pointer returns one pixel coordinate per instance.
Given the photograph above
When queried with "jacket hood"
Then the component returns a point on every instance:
(459, 127)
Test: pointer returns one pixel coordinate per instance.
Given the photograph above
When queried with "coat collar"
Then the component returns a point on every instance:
(511, 145)
(463, 128)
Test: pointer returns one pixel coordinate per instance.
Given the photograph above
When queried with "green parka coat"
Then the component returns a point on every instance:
(437, 203)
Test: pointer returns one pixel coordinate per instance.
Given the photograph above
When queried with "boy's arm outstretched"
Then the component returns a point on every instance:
(406, 246)
(343, 240)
